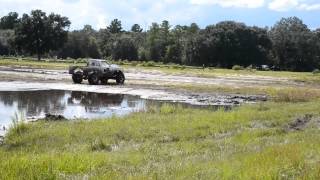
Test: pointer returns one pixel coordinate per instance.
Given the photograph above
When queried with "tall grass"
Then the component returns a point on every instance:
(18, 124)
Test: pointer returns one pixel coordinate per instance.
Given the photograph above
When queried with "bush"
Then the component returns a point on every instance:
(120, 62)
(237, 68)
(134, 63)
(18, 123)
(99, 145)
(316, 71)
(149, 64)
(251, 68)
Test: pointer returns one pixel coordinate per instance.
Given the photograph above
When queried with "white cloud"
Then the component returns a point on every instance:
(286, 5)
(309, 7)
(78, 11)
(231, 3)
(99, 13)
(283, 5)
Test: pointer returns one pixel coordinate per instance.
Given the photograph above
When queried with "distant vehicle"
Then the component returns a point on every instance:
(97, 71)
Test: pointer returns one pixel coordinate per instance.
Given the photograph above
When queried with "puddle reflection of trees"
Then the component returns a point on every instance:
(34, 102)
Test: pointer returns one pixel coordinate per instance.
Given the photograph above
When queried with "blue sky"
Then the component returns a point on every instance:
(99, 13)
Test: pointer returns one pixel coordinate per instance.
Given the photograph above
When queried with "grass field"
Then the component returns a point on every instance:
(263, 141)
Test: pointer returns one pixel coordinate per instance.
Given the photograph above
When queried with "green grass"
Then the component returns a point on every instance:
(171, 142)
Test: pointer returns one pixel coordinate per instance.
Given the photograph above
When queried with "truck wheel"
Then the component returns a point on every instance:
(93, 79)
(120, 78)
(77, 78)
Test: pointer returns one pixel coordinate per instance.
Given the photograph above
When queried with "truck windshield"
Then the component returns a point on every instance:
(104, 64)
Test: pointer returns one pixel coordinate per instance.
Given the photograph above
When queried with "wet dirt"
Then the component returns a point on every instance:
(148, 84)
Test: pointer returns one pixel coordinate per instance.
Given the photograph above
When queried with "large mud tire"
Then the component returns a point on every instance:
(93, 79)
(120, 78)
(77, 78)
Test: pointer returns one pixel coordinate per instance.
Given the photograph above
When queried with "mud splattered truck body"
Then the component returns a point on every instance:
(96, 72)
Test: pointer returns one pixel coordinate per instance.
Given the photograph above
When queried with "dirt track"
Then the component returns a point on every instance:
(155, 77)
(149, 84)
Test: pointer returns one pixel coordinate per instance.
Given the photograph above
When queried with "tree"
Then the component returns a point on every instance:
(105, 42)
(6, 42)
(9, 21)
(39, 33)
(81, 44)
(136, 28)
(293, 45)
(194, 28)
(87, 29)
(115, 27)
(124, 48)
(225, 44)
(152, 42)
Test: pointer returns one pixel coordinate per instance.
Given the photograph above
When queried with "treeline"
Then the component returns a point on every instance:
(288, 45)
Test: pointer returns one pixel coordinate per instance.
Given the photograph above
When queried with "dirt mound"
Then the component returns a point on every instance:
(52, 117)
(300, 123)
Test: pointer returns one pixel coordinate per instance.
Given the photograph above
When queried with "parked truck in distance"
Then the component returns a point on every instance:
(96, 72)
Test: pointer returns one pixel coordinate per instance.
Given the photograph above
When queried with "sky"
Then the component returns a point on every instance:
(99, 13)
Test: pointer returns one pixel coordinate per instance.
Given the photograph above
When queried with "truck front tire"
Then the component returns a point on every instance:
(77, 78)
(120, 78)
(93, 79)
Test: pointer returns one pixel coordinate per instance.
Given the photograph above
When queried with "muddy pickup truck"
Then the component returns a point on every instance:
(97, 71)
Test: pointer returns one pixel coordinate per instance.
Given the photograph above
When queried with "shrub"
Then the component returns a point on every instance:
(237, 68)
(134, 63)
(99, 145)
(316, 71)
(120, 62)
(250, 68)
(149, 64)
(18, 123)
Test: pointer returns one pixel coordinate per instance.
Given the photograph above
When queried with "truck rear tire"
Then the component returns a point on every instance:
(77, 78)
(93, 79)
(120, 78)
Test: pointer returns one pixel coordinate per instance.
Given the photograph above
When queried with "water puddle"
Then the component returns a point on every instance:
(70, 104)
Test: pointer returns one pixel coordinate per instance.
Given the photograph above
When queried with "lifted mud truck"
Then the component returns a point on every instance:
(97, 71)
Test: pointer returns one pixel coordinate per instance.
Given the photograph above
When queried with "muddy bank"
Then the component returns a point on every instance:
(152, 94)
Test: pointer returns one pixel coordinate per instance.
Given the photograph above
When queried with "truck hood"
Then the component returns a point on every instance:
(113, 66)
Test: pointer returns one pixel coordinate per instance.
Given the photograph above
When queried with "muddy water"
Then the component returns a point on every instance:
(72, 105)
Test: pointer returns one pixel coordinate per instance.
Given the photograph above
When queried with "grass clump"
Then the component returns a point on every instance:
(18, 123)
(148, 64)
(100, 145)
(237, 68)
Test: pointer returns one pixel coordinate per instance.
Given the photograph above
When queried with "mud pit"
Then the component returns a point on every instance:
(147, 84)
